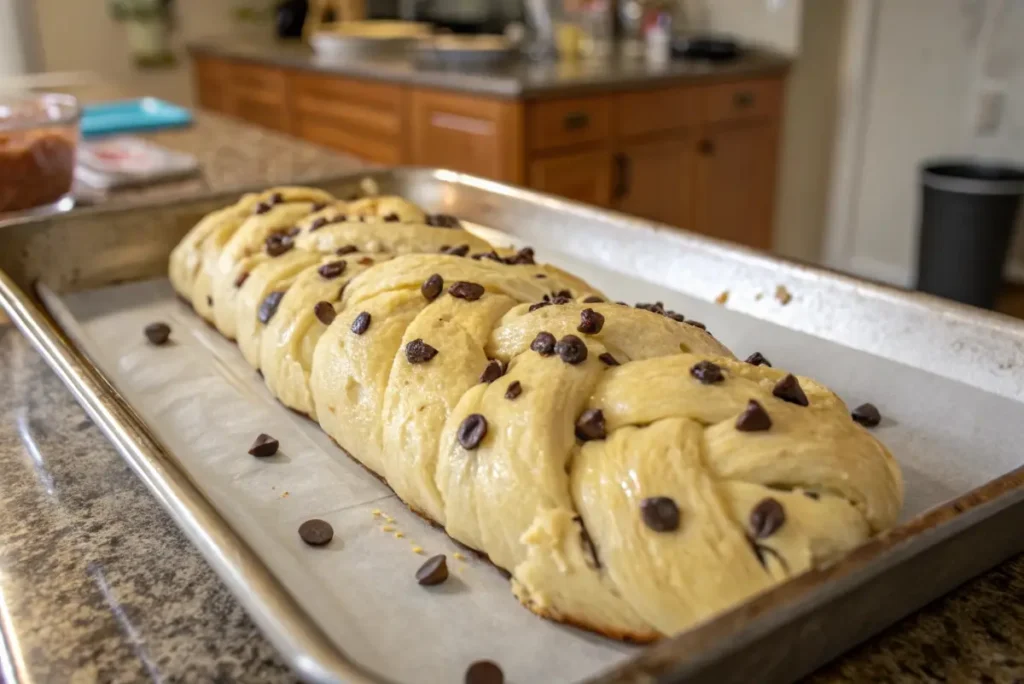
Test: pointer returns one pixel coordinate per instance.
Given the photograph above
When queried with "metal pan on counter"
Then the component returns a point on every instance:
(946, 376)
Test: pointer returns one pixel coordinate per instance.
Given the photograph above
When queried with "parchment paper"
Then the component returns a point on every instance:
(206, 404)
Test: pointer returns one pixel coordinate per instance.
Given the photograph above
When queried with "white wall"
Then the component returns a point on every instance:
(770, 23)
(915, 70)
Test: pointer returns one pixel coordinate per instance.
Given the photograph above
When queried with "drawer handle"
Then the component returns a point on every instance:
(743, 100)
(623, 175)
(576, 120)
(706, 147)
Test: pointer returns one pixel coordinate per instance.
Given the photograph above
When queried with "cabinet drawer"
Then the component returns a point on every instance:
(268, 81)
(656, 111)
(584, 177)
(742, 101)
(562, 123)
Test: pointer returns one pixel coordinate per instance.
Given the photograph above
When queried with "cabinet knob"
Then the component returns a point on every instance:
(743, 99)
(706, 147)
(623, 181)
(576, 120)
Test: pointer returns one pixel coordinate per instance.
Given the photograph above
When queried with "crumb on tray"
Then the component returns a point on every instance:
(458, 556)
(388, 528)
(377, 513)
(722, 298)
(399, 535)
(759, 296)
(783, 295)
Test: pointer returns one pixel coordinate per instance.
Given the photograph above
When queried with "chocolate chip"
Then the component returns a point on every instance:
(754, 418)
(707, 372)
(332, 270)
(365, 261)
(591, 322)
(242, 277)
(657, 307)
(472, 431)
(324, 312)
(317, 206)
(278, 244)
(543, 344)
(593, 299)
(867, 415)
(492, 372)
(608, 359)
(538, 305)
(262, 208)
(523, 256)
(484, 672)
(757, 359)
(514, 390)
(268, 307)
(468, 291)
(812, 495)
(293, 231)
(318, 223)
(209, 300)
(459, 250)
(432, 287)
(434, 571)
(590, 425)
(316, 532)
(443, 221)
(660, 514)
(766, 518)
(571, 349)
(419, 351)
(264, 446)
(391, 218)
(696, 324)
(540, 275)
(347, 249)
(361, 323)
(157, 333)
(677, 317)
(789, 389)
(276, 198)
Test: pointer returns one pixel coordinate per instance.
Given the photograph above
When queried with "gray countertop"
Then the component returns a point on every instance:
(519, 78)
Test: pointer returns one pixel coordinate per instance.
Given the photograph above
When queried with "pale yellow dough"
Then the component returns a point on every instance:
(563, 515)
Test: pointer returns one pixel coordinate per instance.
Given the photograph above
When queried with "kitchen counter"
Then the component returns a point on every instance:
(517, 79)
(97, 584)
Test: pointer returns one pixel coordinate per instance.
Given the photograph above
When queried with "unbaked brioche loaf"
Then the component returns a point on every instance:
(631, 475)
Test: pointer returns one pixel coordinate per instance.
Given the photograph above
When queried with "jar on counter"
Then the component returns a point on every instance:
(38, 142)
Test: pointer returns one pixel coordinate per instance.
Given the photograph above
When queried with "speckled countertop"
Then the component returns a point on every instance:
(515, 78)
(98, 585)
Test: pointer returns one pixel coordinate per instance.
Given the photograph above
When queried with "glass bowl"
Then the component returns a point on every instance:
(38, 142)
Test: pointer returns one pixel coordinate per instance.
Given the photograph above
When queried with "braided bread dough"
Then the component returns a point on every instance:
(634, 479)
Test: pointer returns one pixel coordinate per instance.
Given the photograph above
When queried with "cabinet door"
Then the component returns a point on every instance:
(258, 94)
(654, 180)
(584, 177)
(478, 135)
(210, 79)
(735, 188)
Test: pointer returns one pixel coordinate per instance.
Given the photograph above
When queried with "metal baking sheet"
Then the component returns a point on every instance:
(943, 375)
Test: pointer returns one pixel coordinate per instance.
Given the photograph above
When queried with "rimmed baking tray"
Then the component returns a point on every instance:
(947, 378)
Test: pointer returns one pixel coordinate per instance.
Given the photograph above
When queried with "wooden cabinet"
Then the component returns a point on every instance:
(584, 177)
(476, 135)
(654, 179)
(210, 77)
(568, 122)
(735, 183)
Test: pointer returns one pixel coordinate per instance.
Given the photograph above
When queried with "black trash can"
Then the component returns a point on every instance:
(968, 212)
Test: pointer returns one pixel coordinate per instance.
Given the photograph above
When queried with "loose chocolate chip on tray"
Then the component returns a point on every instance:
(268, 307)
(242, 277)
(590, 425)
(754, 418)
(571, 350)
(458, 250)
(347, 249)
(867, 415)
(277, 244)
(391, 218)
(789, 389)
(591, 322)
(766, 518)
(419, 351)
(316, 532)
(514, 390)
(432, 287)
(707, 372)
(318, 223)
(332, 269)
(660, 514)
(157, 333)
(757, 359)
(608, 359)
(543, 344)
(593, 299)
(361, 323)
(443, 221)
(468, 291)
(324, 312)
(492, 371)
(264, 446)
(484, 672)
(472, 431)
(434, 571)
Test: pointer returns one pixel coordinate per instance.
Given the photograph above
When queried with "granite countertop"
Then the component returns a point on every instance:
(518, 78)
(97, 583)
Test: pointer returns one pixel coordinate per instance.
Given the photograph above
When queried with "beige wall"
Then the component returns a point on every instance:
(770, 23)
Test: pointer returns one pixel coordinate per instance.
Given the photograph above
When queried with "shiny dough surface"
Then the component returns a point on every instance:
(635, 478)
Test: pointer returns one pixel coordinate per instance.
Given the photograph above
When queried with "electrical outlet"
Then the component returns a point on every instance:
(989, 116)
